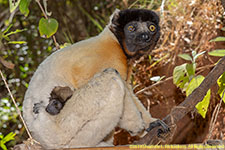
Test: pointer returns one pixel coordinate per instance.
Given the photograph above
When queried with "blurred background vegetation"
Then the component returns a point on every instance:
(186, 26)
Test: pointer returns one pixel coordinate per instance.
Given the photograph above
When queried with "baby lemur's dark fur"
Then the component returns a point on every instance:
(59, 96)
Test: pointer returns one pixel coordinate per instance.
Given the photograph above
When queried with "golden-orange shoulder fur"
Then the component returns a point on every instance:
(80, 65)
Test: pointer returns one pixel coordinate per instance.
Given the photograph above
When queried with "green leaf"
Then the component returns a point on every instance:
(17, 42)
(9, 137)
(48, 27)
(3, 146)
(218, 39)
(7, 29)
(13, 4)
(195, 82)
(184, 83)
(179, 75)
(14, 32)
(223, 29)
(24, 7)
(185, 57)
(221, 84)
(219, 52)
(190, 70)
(202, 106)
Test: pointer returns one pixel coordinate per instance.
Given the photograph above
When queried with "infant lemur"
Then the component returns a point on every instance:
(79, 94)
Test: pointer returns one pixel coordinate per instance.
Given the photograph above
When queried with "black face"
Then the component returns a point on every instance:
(139, 36)
(137, 31)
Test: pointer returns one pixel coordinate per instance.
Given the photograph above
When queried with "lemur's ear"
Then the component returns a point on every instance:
(114, 16)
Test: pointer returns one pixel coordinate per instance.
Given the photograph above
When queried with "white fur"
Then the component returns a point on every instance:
(96, 107)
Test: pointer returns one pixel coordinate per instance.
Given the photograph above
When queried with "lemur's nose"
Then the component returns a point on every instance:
(145, 37)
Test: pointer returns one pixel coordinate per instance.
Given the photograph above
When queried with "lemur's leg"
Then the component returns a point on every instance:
(94, 110)
(149, 121)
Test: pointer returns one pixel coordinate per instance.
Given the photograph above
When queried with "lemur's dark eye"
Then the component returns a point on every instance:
(152, 28)
(131, 28)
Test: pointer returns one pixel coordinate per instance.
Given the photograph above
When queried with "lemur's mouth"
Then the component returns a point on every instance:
(146, 48)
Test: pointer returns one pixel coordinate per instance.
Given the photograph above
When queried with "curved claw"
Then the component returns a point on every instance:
(164, 129)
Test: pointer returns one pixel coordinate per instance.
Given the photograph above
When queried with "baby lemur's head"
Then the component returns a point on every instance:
(137, 30)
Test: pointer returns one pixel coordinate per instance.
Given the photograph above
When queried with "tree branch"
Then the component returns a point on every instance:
(188, 104)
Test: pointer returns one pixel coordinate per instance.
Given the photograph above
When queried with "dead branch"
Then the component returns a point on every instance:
(188, 104)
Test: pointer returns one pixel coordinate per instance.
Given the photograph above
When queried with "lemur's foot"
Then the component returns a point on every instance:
(164, 130)
(37, 107)
(59, 96)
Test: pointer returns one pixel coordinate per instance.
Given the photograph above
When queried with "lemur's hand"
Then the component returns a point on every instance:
(165, 129)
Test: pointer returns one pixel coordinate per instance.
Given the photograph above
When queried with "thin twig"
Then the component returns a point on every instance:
(215, 118)
(151, 86)
(17, 108)
(46, 17)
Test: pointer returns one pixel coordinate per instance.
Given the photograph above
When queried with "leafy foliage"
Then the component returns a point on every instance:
(5, 35)
(7, 138)
(202, 106)
(184, 78)
(220, 53)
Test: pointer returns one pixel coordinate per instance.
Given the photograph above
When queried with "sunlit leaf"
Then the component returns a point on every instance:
(48, 27)
(221, 84)
(194, 83)
(14, 32)
(24, 7)
(17, 42)
(7, 29)
(219, 52)
(3, 146)
(202, 106)
(218, 39)
(179, 75)
(185, 57)
(13, 4)
(9, 137)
